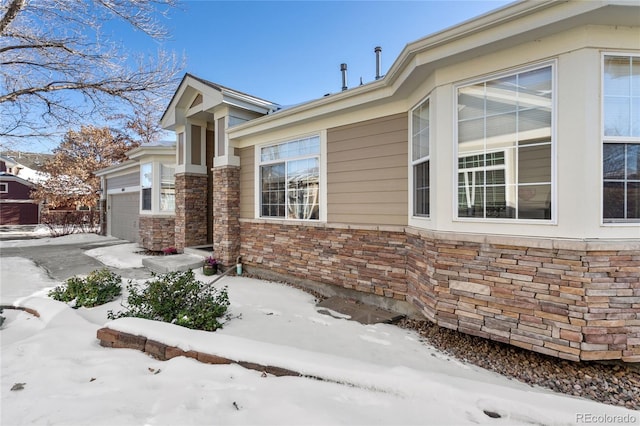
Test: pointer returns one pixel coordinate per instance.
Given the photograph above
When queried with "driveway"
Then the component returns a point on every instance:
(64, 260)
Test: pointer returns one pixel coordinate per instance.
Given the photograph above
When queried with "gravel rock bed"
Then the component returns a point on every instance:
(613, 383)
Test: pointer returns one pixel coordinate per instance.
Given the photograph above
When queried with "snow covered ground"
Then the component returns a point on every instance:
(373, 374)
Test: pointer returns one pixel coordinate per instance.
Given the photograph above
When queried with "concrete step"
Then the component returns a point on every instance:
(173, 263)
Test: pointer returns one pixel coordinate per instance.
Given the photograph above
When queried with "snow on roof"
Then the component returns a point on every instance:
(31, 175)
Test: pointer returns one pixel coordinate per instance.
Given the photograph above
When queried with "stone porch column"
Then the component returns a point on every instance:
(226, 214)
(191, 210)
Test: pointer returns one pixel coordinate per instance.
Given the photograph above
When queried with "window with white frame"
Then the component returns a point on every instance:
(504, 146)
(4, 188)
(167, 188)
(146, 185)
(290, 179)
(420, 158)
(621, 139)
(181, 148)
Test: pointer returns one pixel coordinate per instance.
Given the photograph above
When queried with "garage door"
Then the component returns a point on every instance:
(123, 216)
(18, 214)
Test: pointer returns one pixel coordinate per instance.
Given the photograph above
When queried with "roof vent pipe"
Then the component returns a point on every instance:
(378, 50)
(343, 68)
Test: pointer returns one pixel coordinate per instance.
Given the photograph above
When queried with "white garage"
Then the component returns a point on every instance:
(139, 196)
(120, 186)
(123, 216)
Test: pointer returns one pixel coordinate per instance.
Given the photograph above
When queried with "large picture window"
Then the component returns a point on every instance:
(621, 139)
(420, 159)
(290, 179)
(504, 143)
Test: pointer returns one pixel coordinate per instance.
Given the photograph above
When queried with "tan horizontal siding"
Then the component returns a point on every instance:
(247, 176)
(349, 135)
(387, 185)
(362, 198)
(379, 163)
(367, 172)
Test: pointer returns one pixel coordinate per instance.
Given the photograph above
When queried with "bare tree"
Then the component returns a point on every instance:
(143, 126)
(59, 69)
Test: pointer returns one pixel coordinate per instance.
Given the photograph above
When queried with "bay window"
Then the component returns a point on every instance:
(420, 159)
(167, 188)
(504, 146)
(290, 179)
(146, 185)
(621, 139)
(157, 188)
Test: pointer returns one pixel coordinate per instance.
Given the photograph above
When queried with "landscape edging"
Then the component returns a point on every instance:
(118, 339)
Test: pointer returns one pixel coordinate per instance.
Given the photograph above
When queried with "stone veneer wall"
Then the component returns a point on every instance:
(366, 259)
(570, 299)
(157, 232)
(226, 211)
(191, 210)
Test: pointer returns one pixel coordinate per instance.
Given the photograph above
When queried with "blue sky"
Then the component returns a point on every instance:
(290, 52)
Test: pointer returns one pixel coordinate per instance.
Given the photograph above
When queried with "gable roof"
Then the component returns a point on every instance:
(8, 177)
(226, 95)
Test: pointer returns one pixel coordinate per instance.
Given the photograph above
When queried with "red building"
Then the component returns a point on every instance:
(16, 205)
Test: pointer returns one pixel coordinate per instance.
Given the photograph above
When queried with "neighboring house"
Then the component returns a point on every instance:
(16, 183)
(16, 206)
(26, 165)
(490, 180)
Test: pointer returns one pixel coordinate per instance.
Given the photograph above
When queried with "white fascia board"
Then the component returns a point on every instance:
(143, 151)
(116, 168)
(250, 103)
(331, 104)
(168, 119)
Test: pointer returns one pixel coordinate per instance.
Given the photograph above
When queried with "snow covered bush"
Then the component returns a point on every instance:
(177, 298)
(100, 286)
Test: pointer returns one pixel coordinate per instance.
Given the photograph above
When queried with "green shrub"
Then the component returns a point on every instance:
(177, 298)
(100, 286)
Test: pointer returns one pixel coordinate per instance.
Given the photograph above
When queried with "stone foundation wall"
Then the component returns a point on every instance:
(157, 232)
(191, 210)
(370, 260)
(570, 299)
(226, 213)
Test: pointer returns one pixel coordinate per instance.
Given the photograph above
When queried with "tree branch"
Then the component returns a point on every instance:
(12, 11)
(57, 45)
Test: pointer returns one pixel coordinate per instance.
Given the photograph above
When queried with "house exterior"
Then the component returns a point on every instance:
(138, 196)
(16, 205)
(490, 180)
